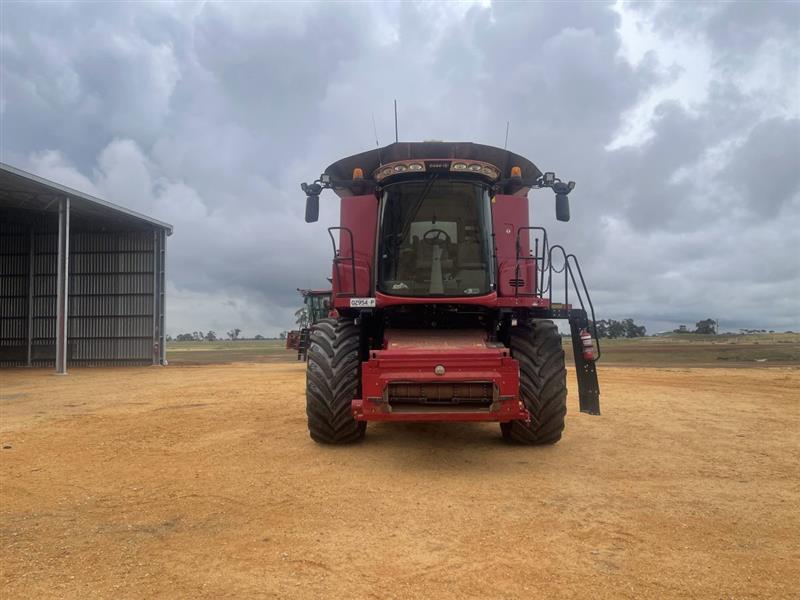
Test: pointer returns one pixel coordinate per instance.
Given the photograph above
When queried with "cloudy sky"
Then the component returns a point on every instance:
(680, 122)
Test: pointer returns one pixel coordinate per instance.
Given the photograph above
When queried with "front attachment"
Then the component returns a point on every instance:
(588, 388)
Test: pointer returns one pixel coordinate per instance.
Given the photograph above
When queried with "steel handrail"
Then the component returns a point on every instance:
(588, 298)
(569, 275)
(540, 259)
(337, 258)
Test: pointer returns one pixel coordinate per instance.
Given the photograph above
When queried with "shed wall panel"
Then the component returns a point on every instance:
(111, 304)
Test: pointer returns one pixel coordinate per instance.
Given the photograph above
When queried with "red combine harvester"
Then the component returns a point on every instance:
(444, 296)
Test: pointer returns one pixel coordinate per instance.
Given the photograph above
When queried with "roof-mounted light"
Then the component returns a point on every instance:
(481, 168)
(400, 167)
(516, 172)
(358, 173)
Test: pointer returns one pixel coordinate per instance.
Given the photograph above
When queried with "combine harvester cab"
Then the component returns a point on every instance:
(443, 297)
(317, 305)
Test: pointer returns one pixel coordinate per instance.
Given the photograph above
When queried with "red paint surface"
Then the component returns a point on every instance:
(359, 214)
(410, 357)
(434, 339)
(509, 213)
(489, 301)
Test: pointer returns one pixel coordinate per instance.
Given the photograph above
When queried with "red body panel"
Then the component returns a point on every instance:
(509, 214)
(412, 356)
(360, 216)
(489, 301)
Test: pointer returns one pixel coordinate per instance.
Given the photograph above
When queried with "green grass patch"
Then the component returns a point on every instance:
(779, 349)
(226, 351)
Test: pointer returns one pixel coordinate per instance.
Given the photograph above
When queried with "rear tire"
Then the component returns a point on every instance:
(333, 381)
(542, 384)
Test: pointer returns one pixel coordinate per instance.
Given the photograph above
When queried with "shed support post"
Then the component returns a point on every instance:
(62, 295)
(159, 295)
(31, 275)
(163, 292)
(155, 351)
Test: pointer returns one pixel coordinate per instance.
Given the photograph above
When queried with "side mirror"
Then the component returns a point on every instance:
(562, 207)
(312, 208)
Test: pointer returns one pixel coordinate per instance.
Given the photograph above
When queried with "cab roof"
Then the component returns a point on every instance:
(370, 160)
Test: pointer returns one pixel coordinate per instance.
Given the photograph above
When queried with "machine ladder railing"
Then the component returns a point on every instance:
(338, 260)
(541, 253)
(538, 255)
(303, 343)
(569, 268)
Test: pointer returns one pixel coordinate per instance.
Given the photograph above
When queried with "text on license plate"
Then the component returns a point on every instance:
(362, 302)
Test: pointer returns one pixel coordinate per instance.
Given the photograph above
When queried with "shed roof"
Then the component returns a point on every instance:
(22, 190)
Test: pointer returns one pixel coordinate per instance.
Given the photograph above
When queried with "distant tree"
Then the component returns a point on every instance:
(259, 337)
(612, 328)
(616, 329)
(211, 336)
(632, 330)
(185, 337)
(301, 317)
(169, 338)
(233, 334)
(602, 328)
(707, 326)
(282, 335)
(198, 336)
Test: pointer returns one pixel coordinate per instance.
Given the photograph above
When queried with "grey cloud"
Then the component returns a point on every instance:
(209, 115)
(764, 171)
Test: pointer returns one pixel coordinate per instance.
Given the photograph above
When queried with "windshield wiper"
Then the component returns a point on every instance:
(423, 194)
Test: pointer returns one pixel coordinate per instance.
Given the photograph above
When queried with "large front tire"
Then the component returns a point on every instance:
(333, 379)
(542, 384)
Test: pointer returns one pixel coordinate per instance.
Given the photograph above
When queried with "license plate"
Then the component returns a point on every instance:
(362, 302)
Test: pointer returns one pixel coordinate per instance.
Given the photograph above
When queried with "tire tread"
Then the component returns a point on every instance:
(333, 377)
(543, 383)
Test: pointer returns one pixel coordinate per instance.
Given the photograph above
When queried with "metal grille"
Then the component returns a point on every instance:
(416, 396)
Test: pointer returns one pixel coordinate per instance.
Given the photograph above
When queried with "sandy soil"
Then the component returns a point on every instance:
(202, 482)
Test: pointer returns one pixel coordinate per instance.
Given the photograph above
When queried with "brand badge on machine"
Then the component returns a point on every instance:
(362, 302)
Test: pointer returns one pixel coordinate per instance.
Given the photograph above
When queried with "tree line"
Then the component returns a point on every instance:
(211, 336)
(611, 328)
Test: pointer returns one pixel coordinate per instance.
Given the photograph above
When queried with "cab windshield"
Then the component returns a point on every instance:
(435, 239)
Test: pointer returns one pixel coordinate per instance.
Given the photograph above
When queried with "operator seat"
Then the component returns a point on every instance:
(408, 259)
(471, 267)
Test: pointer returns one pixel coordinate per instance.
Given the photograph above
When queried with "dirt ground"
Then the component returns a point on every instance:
(184, 482)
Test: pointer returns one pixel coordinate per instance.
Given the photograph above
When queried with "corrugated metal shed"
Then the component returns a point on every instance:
(82, 281)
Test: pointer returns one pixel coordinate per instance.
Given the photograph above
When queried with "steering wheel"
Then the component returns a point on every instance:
(439, 237)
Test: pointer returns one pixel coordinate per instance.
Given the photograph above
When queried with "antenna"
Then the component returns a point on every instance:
(396, 139)
(377, 145)
(508, 125)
